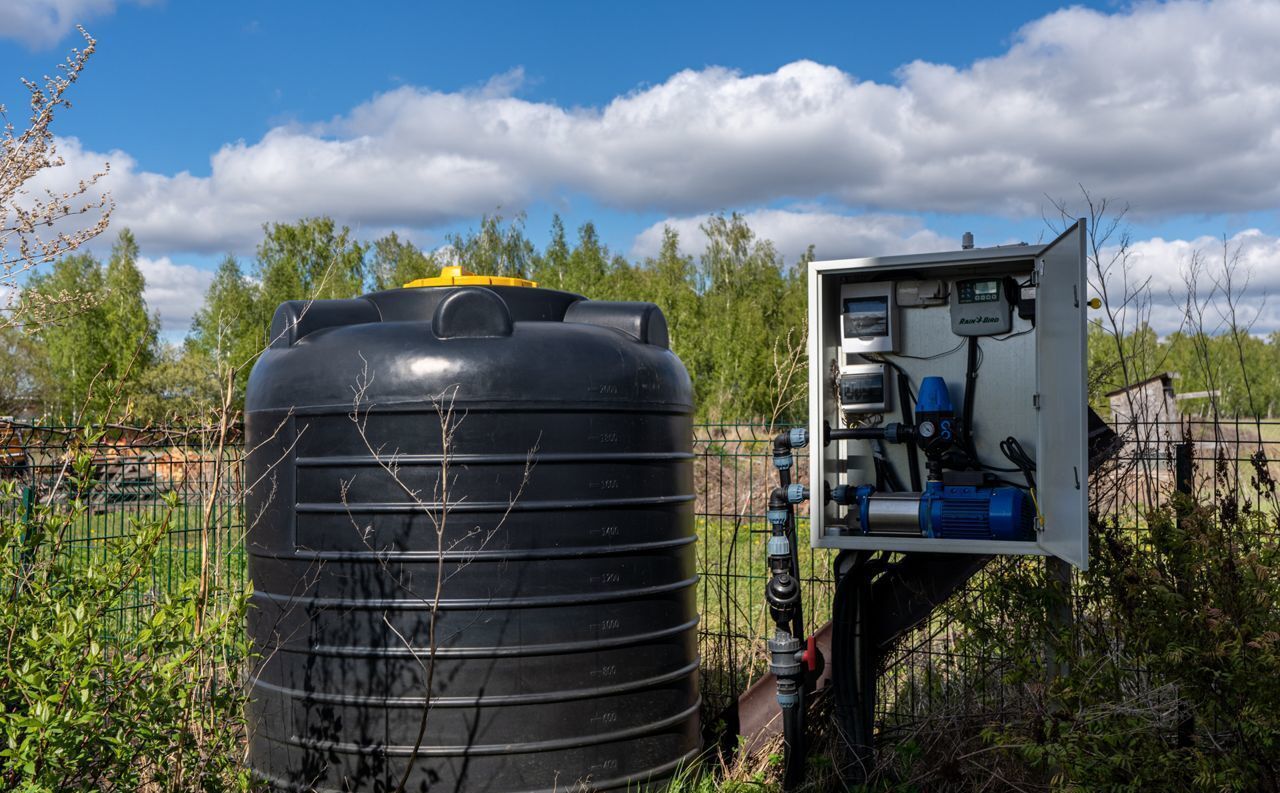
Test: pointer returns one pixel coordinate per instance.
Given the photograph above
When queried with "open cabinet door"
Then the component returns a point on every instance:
(1062, 473)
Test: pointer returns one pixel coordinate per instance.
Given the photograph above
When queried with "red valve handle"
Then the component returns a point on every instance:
(810, 656)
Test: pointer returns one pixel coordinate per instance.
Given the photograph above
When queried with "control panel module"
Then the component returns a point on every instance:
(947, 402)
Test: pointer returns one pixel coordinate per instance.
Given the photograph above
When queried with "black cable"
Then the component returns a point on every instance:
(797, 621)
(970, 392)
(885, 471)
(1013, 335)
(908, 419)
(930, 357)
(853, 666)
(1012, 449)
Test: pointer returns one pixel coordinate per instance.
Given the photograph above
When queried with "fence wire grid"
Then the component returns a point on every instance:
(195, 480)
(121, 476)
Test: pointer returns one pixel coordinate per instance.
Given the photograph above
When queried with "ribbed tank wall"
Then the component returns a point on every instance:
(554, 545)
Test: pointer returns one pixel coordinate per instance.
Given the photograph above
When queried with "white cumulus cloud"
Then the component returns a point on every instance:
(1171, 107)
(1162, 268)
(834, 236)
(43, 23)
(174, 291)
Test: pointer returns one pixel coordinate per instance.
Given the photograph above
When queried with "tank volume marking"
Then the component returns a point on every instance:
(627, 782)
(493, 459)
(606, 625)
(568, 695)
(607, 578)
(417, 604)
(483, 554)
(556, 648)
(488, 506)
(594, 739)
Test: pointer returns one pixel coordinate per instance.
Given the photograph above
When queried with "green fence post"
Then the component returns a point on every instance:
(27, 558)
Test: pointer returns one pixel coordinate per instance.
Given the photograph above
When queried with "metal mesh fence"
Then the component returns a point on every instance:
(194, 481)
(117, 477)
(189, 479)
(733, 475)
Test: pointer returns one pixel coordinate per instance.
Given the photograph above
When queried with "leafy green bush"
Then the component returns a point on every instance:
(97, 690)
(1172, 664)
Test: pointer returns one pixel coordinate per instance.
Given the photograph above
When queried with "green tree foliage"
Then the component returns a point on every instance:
(227, 333)
(1243, 370)
(751, 305)
(72, 337)
(668, 281)
(396, 262)
(310, 259)
(131, 332)
(495, 248)
(551, 269)
(24, 372)
(96, 333)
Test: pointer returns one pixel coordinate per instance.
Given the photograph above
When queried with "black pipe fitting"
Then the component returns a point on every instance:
(783, 595)
(893, 433)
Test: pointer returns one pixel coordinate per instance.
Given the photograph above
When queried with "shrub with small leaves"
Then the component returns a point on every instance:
(1170, 670)
(97, 690)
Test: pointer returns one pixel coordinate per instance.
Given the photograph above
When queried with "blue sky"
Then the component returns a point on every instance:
(861, 127)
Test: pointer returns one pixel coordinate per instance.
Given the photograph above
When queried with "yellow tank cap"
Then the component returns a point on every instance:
(456, 276)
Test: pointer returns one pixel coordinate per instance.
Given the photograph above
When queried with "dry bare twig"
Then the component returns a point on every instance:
(38, 225)
(437, 509)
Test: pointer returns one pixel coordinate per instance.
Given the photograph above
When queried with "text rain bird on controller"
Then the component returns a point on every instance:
(566, 635)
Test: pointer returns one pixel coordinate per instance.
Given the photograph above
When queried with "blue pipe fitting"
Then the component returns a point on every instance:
(779, 546)
(797, 493)
(799, 438)
(777, 517)
(863, 495)
(782, 462)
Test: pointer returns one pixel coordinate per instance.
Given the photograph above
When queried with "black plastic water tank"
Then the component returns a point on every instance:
(526, 451)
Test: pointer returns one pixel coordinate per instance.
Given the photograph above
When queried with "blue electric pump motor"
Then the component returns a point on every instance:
(976, 513)
(945, 511)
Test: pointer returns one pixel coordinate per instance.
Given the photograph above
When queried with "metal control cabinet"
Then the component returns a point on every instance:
(1030, 382)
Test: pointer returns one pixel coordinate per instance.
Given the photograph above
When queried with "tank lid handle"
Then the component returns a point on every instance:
(471, 312)
(294, 319)
(643, 322)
